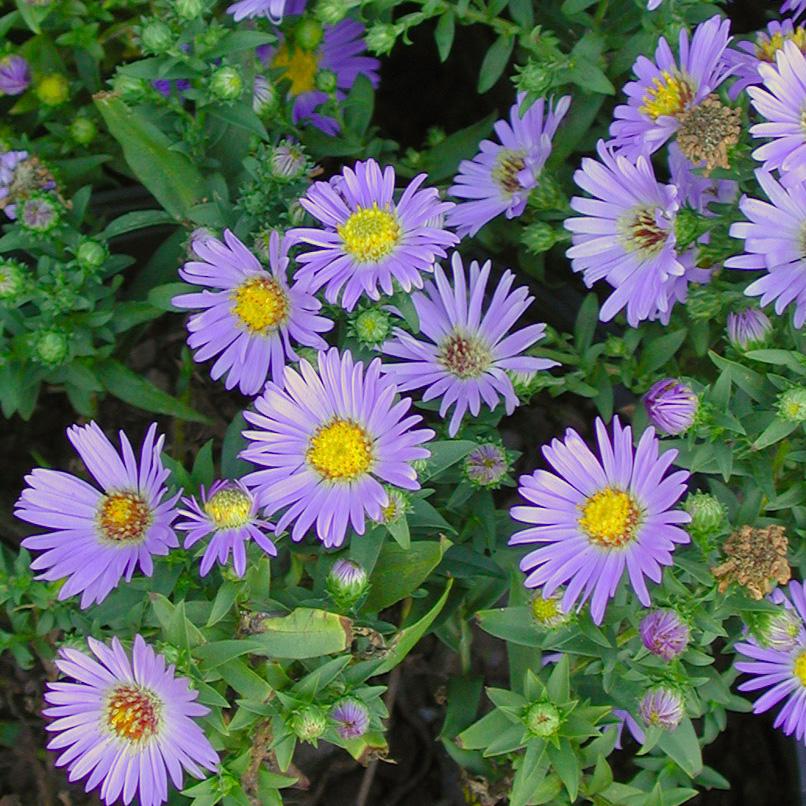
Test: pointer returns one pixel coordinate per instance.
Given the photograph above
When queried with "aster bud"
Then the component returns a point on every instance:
(748, 329)
(156, 37)
(540, 236)
(662, 707)
(91, 255)
(664, 634)
(331, 12)
(615, 347)
(671, 406)
(346, 582)
(12, 279)
(792, 405)
(326, 81)
(226, 84)
(689, 225)
(15, 75)
(547, 611)
(371, 327)
(534, 78)
(397, 506)
(83, 131)
(351, 717)
(309, 723)
(265, 99)
(50, 347)
(380, 38)
(308, 34)
(52, 89)
(486, 465)
(40, 213)
(542, 719)
(288, 161)
(189, 9)
(780, 630)
(130, 89)
(707, 514)
(548, 194)
(434, 136)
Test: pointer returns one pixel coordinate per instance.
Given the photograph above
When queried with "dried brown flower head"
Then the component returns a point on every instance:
(706, 132)
(755, 559)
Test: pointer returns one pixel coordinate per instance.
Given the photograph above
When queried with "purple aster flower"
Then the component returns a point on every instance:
(486, 465)
(14, 75)
(368, 241)
(773, 240)
(748, 329)
(275, 10)
(96, 538)
(664, 634)
(747, 56)
(252, 318)
(780, 670)
(469, 347)
(351, 718)
(127, 723)
(21, 175)
(597, 517)
(626, 235)
(166, 86)
(795, 6)
(662, 707)
(500, 177)
(228, 512)
(781, 101)
(671, 406)
(341, 52)
(625, 718)
(668, 90)
(327, 441)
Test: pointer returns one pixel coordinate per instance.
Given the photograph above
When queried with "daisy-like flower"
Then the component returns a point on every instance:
(773, 241)
(351, 717)
(668, 95)
(340, 53)
(780, 669)
(626, 234)
(653, 4)
(781, 101)
(252, 318)
(98, 537)
(275, 10)
(228, 512)
(469, 347)
(327, 440)
(597, 517)
(486, 465)
(15, 75)
(127, 723)
(368, 241)
(21, 176)
(501, 176)
(746, 57)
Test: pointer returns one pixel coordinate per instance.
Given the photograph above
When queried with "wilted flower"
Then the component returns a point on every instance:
(15, 76)
(671, 406)
(487, 465)
(792, 405)
(351, 717)
(664, 633)
(748, 329)
(39, 213)
(662, 707)
(756, 558)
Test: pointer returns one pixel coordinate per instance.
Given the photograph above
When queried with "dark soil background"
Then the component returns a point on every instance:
(759, 761)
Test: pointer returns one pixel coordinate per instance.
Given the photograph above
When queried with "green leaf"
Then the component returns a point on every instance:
(661, 350)
(495, 62)
(774, 432)
(559, 685)
(530, 774)
(513, 624)
(480, 734)
(358, 106)
(136, 220)
(443, 34)
(442, 161)
(585, 325)
(399, 530)
(169, 175)
(746, 379)
(135, 390)
(571, 7)
(223, 602)
(238, 41)
(161, 296)
(566, 764)
(242, 116)
(683, 747)
(303, 633)
(522, 11)
(444, 454)
(231, 466)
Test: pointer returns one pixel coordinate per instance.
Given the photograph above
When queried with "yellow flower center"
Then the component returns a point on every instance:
(768, 47)
(507, 166)
(464, 356)
(370, 234)
(229, 508)
(799, 668)
(124, 517)
(261, 304)
(340, 450)
(610, 518)
(546, 611)
(133, 713)
(668, 95)
(298, 66)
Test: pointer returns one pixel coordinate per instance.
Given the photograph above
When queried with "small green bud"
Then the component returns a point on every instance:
(331, 12)
(309, 723)
(548, 194)
(346, 582)
(226, 84)
(540, 236)
(156, 37)
(708, 514)
(326, 81)
(52, 89)
(91, 255)
(50, 347)
(12, 279)
(372, 327)
(308, 34)
(128, 88)
(689, 225)
(83, 131)
(296, 214)
(547, 611)
(381, 38)
(615, 347)
(792, 405)
(434, 136)
(534, 78)
(704, 302)
(542, 719)
(189, 9)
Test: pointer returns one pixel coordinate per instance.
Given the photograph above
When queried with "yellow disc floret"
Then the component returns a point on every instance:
(669, 95)
(298, 66)
(799, 669)
(370, 234)
(133, 713)
(768, 47)
(229, 508)
(340, 450)
(124, 517)
(261, 304)
(609, 518)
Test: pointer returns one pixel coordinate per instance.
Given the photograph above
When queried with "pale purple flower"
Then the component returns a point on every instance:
(468, 346)
(773, 241)
(486, 465)
(252, 318)
(327, 441)
(748, 329)
(501, 176)
(351, 718)
(15, 76)
(275, 10)
(797, 7)
(227, 512)
(671, 406)
(367, 241)
(664, 633)
(98, 537)
(626, 719)
(597, 517)
(653, 4)
(126, 722)
(662, 707)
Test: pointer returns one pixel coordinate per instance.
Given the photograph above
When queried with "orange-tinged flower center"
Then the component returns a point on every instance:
(670, 94)
(298, 66)
(340, 450)
(610, 518)
(124, 516)
(133, 713)
(370, 233)
(261, 304)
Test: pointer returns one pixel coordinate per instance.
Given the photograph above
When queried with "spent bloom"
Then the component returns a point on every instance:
(326, 441)
(773, 241)
(780, 670)
(228, 513)
(781, 101)
(748, 329)
(273, 9)
(98, 537)
(127, 722)
(15, 75)
(667, 95)
(367, 240)
(597, 517)
(351, 717)
(625, 234)
(468, 347)
(251, 318)
(662, 707)
(664, 633)
(501, 176)
(671, 406)
(487, 465)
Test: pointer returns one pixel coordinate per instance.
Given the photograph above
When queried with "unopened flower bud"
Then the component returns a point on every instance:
(779, 630)
(130, 89)
(189, 9)
(52, 89)
(707, 514)
(12, 279)
(703, 302)
(15, 75)
(264, 96)
(486, 465)
(671, 406)
(372, 327)
(40, 213)
(226, 84)
(50, 347)
(351, 717)
(792, 405)
(748, 329)
(308, 34)
(326, 81)
(346, 582)
(91, 255)
(547, 611)
(309, 723)
(548, 194)
(664, 634)
(540, 236)
(288, 161)
(542, 719)
(662, 707)
(381, 38)
(534, 78)
(83, 131)
(331, 12)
